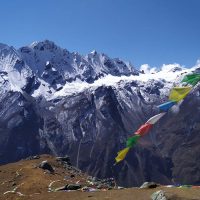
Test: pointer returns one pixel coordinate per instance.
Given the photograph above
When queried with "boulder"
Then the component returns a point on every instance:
(33, 157)
(146, 185)
(85, 189)
(73, 186)
(63, 159)
(46, 166)
(69, 187)
(61, 188)
(159, 195)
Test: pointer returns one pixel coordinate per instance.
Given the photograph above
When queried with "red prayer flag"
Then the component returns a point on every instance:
(144, 129)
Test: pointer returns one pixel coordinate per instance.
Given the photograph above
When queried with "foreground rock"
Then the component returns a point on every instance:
(146, 185)
(46, 166)
(101, 183)
(69, 187)
(159, 195)
(65, 160)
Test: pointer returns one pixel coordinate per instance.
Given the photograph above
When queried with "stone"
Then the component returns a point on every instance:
(73, 186)
(72, 175)
(46, 166)
(146, 185)
(61, 188)
(85, 189)
(33, 157)
(36, 157)
(159, 195)
(63, 159)
(14, 184)
(100, 186)
(68, 187)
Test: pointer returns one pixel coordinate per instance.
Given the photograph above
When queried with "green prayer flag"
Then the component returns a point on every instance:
(132, 140)
(192, 79)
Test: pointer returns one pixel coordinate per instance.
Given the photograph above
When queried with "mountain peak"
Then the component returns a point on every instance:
(3, 46)
(94, 52)
(42, 45)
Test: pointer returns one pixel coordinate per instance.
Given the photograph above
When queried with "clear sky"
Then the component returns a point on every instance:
(140, 31)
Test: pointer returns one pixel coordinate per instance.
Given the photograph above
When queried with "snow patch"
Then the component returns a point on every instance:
(147, 69)
(109, 80)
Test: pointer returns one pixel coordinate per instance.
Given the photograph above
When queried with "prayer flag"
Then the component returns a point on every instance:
(179, 93)
(122, 154)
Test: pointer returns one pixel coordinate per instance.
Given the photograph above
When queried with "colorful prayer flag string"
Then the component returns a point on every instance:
(176, 94)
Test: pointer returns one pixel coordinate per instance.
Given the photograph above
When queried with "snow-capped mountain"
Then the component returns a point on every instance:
(54, 101)
(50, 67)
(43, 68)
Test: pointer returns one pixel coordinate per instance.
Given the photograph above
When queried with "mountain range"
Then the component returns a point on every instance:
(58, 102)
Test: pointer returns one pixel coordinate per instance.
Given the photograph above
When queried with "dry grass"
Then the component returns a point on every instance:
(33, 182)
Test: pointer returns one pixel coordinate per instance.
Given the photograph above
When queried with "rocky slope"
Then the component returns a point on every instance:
(47, 177)
(54, 101)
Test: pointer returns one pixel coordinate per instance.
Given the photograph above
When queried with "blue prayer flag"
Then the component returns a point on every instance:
(166, 106)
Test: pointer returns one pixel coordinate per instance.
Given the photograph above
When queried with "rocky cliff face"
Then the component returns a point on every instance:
(54, 101)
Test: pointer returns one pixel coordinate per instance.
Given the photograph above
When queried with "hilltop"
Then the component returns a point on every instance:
(27, 180)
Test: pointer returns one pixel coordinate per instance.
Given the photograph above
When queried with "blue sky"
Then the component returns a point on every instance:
(140, 31)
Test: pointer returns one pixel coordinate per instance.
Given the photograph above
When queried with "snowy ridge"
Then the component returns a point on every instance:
(168, 75)
(71, 66)
(13, 68)
(43, 68)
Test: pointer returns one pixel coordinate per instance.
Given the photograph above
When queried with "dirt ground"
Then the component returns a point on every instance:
(24, 180)
(125, 194)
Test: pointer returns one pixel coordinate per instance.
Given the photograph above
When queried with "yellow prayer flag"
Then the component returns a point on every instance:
(179, 93)
(122, 154)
